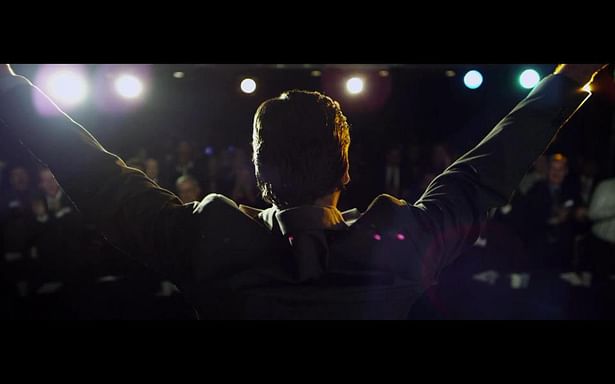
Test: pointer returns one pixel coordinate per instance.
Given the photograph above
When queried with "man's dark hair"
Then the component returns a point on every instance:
(300, 142)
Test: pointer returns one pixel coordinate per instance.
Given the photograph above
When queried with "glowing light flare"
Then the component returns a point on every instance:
(529, 78)
(66, 87)
(473, 79)
(248, 85)
(355, 85)
(128, 86)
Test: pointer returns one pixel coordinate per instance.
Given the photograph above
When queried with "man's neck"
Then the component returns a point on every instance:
(325, 201)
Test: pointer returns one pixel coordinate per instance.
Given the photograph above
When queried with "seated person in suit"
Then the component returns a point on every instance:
(548, 217)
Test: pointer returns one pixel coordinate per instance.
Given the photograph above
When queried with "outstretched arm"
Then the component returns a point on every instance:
(129, 208)
(457, 201)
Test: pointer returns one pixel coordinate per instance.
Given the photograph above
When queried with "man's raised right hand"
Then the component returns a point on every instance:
(581, 73)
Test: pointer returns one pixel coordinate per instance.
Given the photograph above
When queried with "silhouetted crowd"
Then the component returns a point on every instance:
(562, 218)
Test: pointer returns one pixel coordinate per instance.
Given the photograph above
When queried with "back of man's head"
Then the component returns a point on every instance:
(300, 142)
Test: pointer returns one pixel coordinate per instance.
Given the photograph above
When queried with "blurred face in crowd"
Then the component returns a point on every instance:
(558, 169)
(184, 152)
(188, 189)
(48, 183)
(19, 179)
(151, 168)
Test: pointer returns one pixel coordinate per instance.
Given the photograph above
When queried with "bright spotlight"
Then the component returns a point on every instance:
(67, 88)
(354, 85)
(178, 75)
(529, 78)
(128, 86)
(248, 85)
(473, 79)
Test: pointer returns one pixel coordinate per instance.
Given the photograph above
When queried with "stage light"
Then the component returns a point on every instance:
(316, 73)
(128, 86)
(383, 73)
(66, 88)
(178, 75)
(450, 73)
(354, 85)
(248, 85)
(473, 79)
(529, 78)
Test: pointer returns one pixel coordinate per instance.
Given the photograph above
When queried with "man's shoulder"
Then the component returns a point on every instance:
(214, 200)
(223, 209)
(384, 201)
(385, 210)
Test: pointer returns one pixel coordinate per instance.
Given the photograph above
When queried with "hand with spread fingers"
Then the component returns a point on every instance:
(581, 73)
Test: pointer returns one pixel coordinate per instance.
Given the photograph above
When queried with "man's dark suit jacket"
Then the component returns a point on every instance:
(302, 263)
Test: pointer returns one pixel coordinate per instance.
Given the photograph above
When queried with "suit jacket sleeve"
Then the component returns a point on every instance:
(132, 211)
(457, 202)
